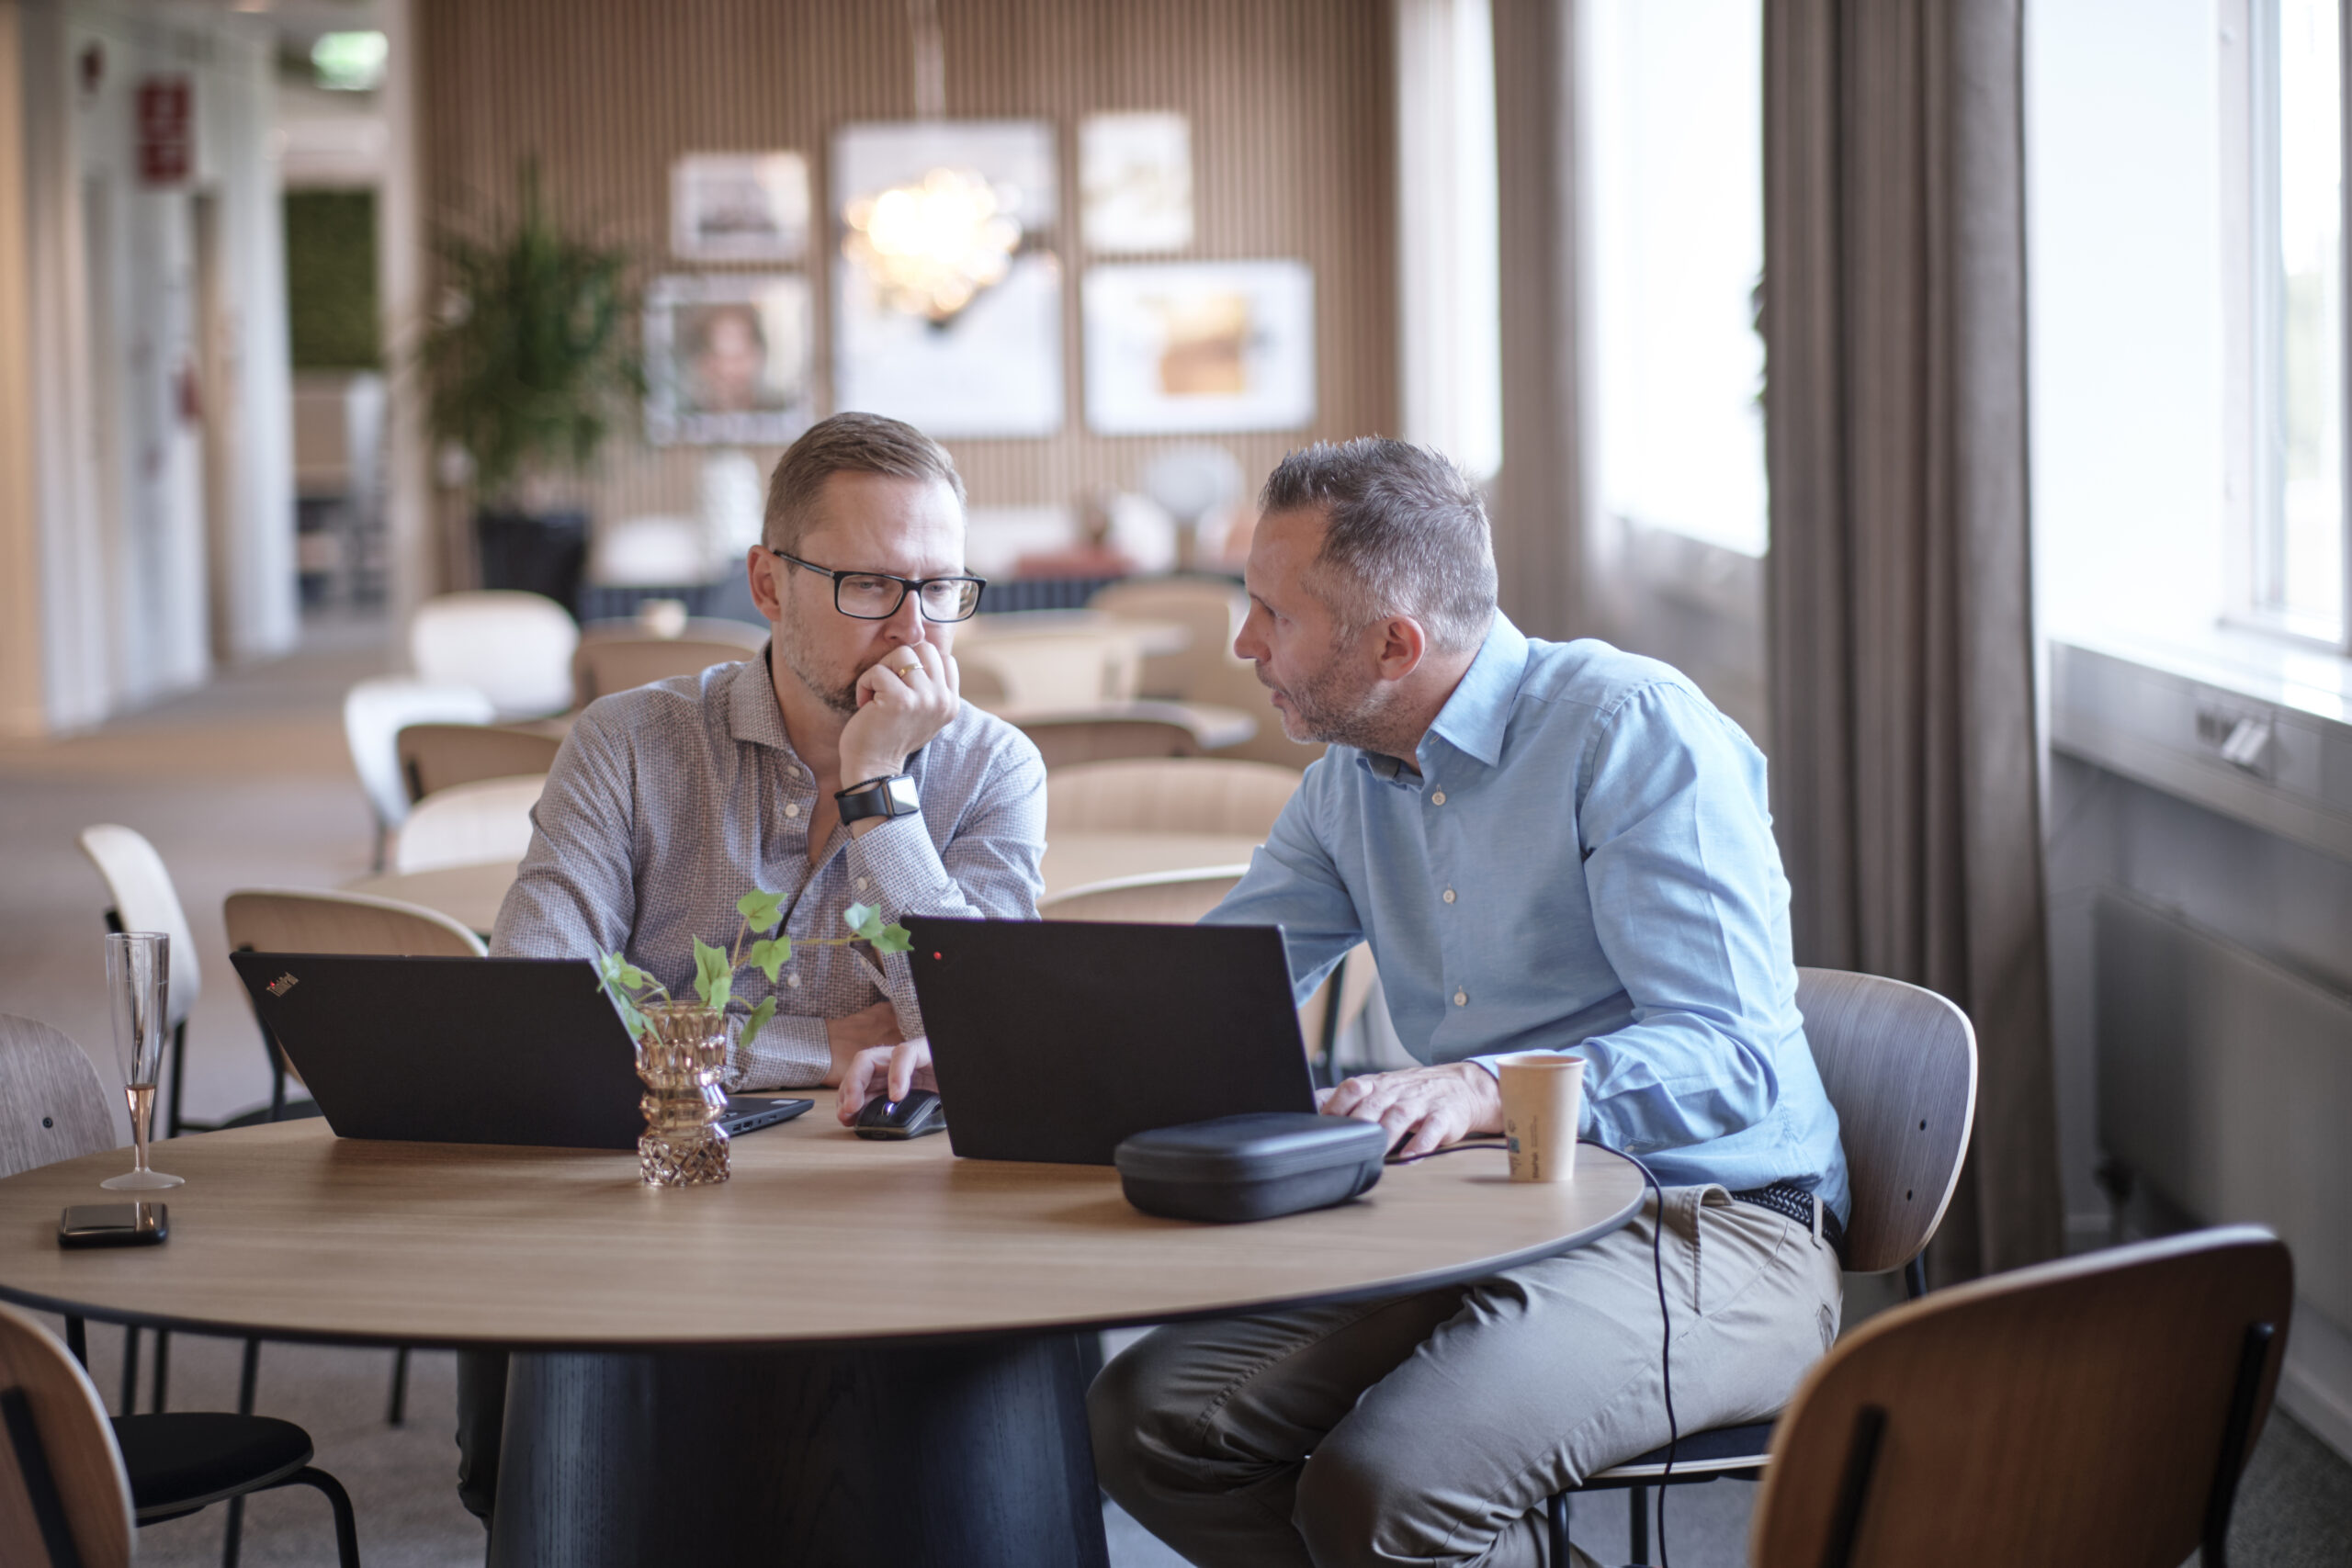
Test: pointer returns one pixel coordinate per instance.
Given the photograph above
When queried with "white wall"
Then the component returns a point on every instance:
(125, 595)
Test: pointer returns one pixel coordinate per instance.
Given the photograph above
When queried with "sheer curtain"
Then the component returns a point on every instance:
(1904, 768)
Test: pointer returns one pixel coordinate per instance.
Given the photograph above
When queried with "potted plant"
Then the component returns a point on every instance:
(530, 367)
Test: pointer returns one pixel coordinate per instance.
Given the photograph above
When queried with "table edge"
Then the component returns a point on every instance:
(1428, 1279)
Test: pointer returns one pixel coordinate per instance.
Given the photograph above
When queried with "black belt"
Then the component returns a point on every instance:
(1796, 1204)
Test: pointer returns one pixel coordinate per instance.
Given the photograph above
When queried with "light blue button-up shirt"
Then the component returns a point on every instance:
(1585, 859)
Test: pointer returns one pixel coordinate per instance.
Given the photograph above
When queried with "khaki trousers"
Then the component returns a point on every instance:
(1432, 1429)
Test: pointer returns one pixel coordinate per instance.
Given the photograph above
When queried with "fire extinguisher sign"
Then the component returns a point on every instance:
(166, 131)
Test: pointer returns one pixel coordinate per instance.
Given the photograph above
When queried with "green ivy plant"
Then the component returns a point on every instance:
(761, 943)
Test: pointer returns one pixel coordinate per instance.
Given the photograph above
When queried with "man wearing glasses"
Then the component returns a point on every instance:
(838, 768)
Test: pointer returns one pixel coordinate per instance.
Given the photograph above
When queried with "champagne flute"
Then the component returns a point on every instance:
(138, 980)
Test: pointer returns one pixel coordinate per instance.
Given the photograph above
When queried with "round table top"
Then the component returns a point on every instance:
(287, 1230)
(470, 895)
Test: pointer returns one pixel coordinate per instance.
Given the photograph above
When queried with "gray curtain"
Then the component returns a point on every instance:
(1899, 596)
(1535, 501)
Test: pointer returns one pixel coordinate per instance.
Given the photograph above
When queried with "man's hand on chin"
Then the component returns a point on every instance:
(1426, 1107)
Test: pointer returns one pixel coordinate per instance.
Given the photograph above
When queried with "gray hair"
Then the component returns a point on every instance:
(1404, 533)
(847, 444)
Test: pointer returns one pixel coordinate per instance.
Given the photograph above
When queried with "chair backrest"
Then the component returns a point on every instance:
(435, 757)
(374, 713)
(649, 552)
(2076, 1412)
(53, 1105)
(470, 824)
(1198, 795)
(303, 919)
(1899, 1063)
(1049, 669)
(1062, 741)
(144, 901)
(607, 664)
(514, 648)
(1160, 897)
(1210, 608)
(58, 1442)
(1349, 989)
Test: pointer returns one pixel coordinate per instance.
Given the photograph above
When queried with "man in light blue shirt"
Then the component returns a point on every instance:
(1548, 846)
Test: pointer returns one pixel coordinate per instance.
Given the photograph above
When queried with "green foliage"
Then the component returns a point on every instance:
(530, 365)
(715, 967)
(331, 280)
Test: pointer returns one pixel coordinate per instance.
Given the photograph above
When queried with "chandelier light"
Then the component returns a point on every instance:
(932, 244)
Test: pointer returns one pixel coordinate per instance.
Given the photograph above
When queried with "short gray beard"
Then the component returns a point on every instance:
(799, 658)
(1363, 718)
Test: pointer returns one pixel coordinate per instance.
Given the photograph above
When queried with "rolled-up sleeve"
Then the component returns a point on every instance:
(990, 864)
(1686, 888)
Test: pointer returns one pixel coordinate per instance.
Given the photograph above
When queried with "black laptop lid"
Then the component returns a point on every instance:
(453, 1050)
(1055, 1040)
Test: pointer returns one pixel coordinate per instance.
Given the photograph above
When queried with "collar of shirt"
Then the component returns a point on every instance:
(1476, 716)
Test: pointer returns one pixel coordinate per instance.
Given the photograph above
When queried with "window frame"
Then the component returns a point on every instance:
(2253, 306)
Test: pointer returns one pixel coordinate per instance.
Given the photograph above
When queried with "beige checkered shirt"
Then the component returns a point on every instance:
(668, 802)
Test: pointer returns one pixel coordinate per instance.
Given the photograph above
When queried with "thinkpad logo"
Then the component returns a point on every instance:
(282, 985)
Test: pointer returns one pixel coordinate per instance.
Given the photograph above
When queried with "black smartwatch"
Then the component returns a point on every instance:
(894, 795)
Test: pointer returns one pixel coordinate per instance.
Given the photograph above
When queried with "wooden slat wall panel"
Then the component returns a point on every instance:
(1292, 152)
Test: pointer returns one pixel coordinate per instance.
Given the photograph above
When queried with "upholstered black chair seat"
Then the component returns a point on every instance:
(178, 1464)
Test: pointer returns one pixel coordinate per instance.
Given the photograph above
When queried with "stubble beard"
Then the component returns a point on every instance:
(1331, 708)
(793, 644)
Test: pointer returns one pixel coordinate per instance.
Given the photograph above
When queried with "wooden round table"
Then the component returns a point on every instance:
(853, 1352)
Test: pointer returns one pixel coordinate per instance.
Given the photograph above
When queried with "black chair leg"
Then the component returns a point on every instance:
(398, 1410)
(1637, 1523)
(277, 1085)
(346, 1527)
(248, 1377)
(172, 1122)
(1558, 1512)
(1915, 1277)
(131, 1370)
(163, 1368)
(77, 1340)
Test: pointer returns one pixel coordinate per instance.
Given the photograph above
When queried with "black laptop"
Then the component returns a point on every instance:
(1056, 1040)
(463, 1050)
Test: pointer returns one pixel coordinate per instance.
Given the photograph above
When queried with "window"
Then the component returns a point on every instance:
(1676, 128)
(2284, 184)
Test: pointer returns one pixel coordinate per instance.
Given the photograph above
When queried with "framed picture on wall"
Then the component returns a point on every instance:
(1135, 182)
(726, 359)
(742, 206)
(947, 303)
(1191, 347)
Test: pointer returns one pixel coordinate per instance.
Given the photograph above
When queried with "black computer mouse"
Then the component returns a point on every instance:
(918, 1114)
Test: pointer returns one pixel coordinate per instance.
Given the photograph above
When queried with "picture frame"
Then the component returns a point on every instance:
(740, 207)
(1199, 347)
(728, 359)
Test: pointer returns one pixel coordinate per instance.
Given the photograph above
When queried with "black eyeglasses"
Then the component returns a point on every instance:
(876, 595)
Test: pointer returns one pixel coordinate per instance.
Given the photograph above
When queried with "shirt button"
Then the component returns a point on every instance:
(861, 884)
(1461, 999)
(790, 809)
(1448, 895)
(1437, 797)
(793, 981)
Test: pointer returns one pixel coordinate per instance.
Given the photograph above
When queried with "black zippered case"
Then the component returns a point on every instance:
(1253, 1167)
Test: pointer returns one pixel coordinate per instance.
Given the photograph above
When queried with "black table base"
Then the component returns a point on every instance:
(969, 1455)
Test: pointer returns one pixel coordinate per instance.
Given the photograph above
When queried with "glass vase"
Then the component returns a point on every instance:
(681, 1059)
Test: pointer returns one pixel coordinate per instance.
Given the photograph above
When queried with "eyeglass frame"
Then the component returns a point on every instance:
(906, 585)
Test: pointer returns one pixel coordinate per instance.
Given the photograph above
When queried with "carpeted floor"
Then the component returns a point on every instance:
(247, 783)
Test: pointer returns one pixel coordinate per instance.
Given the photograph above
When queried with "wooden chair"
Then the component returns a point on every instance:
(1899, 1064)
(1210, 608)
(2096, 1412)
(1202, 795)
(516, 648)
(374, 713)
(607, 664)
(1111, 730)
(143, 899)
(489, 820)
(84, 1481)
(1048, 669)
(435, 756)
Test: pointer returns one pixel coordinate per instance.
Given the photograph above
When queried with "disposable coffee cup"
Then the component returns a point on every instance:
(1542, 1096)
